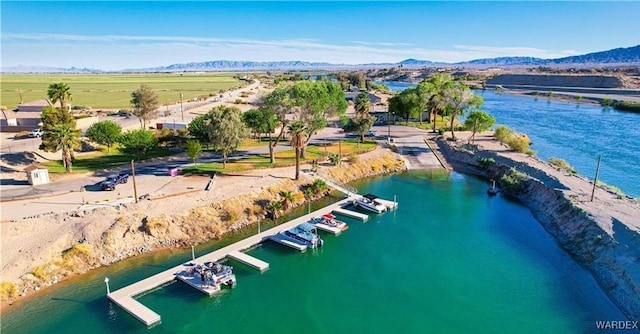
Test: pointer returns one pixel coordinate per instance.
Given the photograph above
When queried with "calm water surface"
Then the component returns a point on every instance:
(577, 133)
(449, 260)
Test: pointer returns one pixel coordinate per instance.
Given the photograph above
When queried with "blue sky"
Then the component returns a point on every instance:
(124, 34)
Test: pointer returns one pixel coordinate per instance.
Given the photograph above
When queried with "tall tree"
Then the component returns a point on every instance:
(407, 104)
(362, 123)
(226, 130)
(297, 131)
(59, 92)
(194, 149)
(104, 133)
(145, 104)
(198, 129)
(277, 104)
(138, 142)
(65, 138)
(478, 121)
(363, 103)
(314, 102)
(434, 91)
(459, 98)
(52, 117)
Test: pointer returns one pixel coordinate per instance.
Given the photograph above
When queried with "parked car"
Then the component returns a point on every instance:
(112, 181)
(35, 133)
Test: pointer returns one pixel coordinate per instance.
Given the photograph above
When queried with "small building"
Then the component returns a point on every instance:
(37, 174)
(34, 106)
(351, 96)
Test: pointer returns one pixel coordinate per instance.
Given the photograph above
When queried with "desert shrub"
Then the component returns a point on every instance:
(503, 133)
(513, 181)
(231, 213)
(485, 162)
(561, 163)
(238, 101)
(41, 272)
(628, 106)
(519, 143)
(353, 158)
(7, 290)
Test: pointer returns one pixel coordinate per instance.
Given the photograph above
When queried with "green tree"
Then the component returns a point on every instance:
(198, 129)
(478, 121)
(137, 142)
(194, 149)
(297, 130)
(260, 121)
(363, 103)
(252, 120)
(145, 104)
(226, 130)
(64, 137)
(52, 117)
(287, 199)
(104, 133)
(314, 102)
(434, 91)
(408, 104)
(459, 98)
(276, 106)
(59, 92)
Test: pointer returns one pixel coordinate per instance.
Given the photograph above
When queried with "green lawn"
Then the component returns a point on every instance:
(283, 158)
(113, 91)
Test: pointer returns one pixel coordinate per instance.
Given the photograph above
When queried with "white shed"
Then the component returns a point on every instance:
(37, 175)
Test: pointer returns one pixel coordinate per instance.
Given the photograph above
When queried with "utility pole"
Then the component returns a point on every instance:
(133, 176)
(181, 109)
(595, 179)
(388, 126)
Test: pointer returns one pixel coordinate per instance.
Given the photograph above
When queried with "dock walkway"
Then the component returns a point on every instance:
(124, 297)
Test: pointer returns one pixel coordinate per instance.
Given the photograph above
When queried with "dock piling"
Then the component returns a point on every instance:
(106, 281)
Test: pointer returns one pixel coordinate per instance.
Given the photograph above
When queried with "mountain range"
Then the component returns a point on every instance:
(619, 56)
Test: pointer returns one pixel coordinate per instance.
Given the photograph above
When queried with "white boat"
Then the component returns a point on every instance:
(331, 221)
(305, 234)
(369, 202)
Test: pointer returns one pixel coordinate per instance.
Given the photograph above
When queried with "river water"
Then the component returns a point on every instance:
(448, 260)
(577, 133)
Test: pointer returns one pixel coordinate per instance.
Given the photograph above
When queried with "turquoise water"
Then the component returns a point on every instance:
(577, 133)
(449, 260)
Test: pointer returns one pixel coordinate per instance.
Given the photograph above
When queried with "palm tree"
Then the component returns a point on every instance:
(65, 138)
(273, 208)
(59, 92)
(287, 198)
(298, 132)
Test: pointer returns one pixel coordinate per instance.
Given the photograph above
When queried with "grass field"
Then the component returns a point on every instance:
(113, 91)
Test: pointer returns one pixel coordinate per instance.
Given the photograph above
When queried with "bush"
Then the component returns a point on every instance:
(485, 162)
(334, 158)
(137, 142)
(628, 106)
(513, 181)
(519, 143)
(353, 158)
(7, 290)
(503, 133)
(560, 163)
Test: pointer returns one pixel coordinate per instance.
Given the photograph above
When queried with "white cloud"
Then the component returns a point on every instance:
(113, 52)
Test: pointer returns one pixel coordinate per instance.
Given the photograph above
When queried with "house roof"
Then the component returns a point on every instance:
(37, 103)
(33, 167)
(8, 114)
(27, 114)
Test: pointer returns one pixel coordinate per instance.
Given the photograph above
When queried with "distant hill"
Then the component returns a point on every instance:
(627, 56)
(615, 56)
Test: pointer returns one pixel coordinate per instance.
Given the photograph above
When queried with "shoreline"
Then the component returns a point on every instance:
(127, 231)
(603, 236)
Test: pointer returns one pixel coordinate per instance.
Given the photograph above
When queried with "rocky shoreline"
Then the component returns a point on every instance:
(603, 235)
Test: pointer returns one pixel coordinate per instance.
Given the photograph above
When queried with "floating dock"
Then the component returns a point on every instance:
(327, 228)
(249, 260)
(351, 214)
(389, 204)
(279, 238)
(124, 297)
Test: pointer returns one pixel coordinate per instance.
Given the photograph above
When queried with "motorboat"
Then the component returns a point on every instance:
(370, 202)
(220, 274)
(304, 233)
(330, 220)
